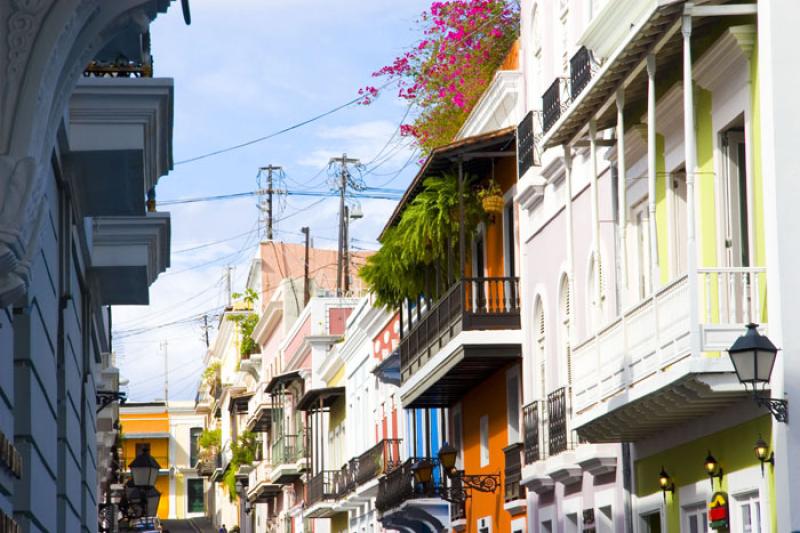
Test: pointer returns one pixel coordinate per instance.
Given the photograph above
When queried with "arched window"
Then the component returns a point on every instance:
(565, 326)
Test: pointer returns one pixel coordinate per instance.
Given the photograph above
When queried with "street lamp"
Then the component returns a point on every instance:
(153, 498)
(423, 471)
(144, 470)
(665, 483)
(713, 469)
(447, 456)
(763, 454)
(753, 356)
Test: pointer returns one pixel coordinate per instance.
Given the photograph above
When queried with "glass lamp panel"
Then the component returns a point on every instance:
(766, 360)
(745, 365)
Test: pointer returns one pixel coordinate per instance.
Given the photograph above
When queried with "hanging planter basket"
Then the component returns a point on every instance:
(492, 204)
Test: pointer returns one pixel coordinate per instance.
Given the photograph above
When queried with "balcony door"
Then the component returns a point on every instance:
(478, 270)
(678, 234)
(640, 237)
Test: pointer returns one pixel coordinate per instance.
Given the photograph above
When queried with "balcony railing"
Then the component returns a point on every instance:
(557, 440)
(380, 459)
(529, 136)
(321, 487)
(287, 449)
(554, 100)
(654, 334)
(580, 71)
(344, 482)
(531, 421)
(399, 486)
(513, 472)
(470, 304)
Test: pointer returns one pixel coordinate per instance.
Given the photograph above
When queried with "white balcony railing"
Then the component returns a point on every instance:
(259, 474)
(655, 333)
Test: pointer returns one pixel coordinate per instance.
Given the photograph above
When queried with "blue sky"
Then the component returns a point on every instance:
(242, 70)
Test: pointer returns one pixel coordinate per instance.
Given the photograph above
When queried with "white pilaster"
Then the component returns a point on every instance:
(690, 147)
(651, 171)
(622, 195)
(595, 213)
(780, 165)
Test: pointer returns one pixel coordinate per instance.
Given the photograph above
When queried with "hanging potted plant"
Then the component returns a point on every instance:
(491, 198)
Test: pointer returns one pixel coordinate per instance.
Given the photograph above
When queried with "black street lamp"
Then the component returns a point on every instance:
(144, 470)
(753, 356)
(461, 482)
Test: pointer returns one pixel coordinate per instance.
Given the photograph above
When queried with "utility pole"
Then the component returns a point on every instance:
(228, 284)
(346, 261)
(344, 181)
(306, 294)
(205, 329)
(269, 192)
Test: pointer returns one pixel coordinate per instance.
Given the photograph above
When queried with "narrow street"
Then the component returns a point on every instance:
(192, 525)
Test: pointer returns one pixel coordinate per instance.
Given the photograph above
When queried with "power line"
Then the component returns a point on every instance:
(279, 132)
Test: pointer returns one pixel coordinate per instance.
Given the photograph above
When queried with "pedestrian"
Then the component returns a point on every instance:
(222, 529)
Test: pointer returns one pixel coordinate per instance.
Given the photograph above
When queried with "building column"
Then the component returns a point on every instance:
(622, 197)
(780, 165)
(690, 147)
(651, 172)
(596, 265)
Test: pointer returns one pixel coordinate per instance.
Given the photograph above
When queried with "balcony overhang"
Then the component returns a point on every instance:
(283, 380)
(388, 370)
(263, 492)
(442, 159)
(495, 108)
(127, 254)
(123, 115)
(691, 389)
(656, 30)
(239, 403)
(285, 473)
(463, 363)
(324, 509)
(317, 399)
(261, 420)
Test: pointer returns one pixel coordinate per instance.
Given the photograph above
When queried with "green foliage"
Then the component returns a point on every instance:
(249, 297)
(243, 452)
(211, 373)
(210, 440)
(427, 232)
(247, 323)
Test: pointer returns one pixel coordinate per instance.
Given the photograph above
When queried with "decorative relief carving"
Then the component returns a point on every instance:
(19, 218)
(23, 24)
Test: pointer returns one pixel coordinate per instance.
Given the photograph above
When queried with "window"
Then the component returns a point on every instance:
(650, 523)
(456, 438)
(539, 347)
(194, 495)
(641, 238)
(748, 513)
(484, 440)
(676, 201)
(695, 519)
(565, 304)
(194, 436)
(734, 199)
(508, 229)
(513, 404)
(571, 524)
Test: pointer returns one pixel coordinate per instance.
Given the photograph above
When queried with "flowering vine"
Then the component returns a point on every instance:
(443, 75)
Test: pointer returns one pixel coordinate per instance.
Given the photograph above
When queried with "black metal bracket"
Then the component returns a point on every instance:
(778, 407)
(481, 482)
(460, 484)
(104, 398)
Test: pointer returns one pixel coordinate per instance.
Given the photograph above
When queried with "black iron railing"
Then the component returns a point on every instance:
(554, 99)
(513, 472)
(557, 441)
(399, 485)
(287, 449)
(380, 459)
(321, 487)
(473, 303)
(580, 71)
(531, 420)
(529, 136)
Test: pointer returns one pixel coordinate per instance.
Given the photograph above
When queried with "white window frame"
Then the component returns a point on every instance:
(514, 432)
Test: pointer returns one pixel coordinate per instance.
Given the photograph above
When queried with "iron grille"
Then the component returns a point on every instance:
(557, 421)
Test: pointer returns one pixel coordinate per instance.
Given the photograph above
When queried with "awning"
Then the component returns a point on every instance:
(311, 400)
(283, 379)
(442, 159)
(661, 27)
(238, 404)
(388, 370)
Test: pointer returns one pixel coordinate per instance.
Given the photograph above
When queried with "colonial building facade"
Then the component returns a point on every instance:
(83, 140)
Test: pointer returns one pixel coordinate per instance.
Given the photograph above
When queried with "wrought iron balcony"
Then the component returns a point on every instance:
(557, 440)
(580, 71)
(378, 460)
(344, 482)
(475, 303)
(531, 421)
(554, 100)
(513, 472)
(529, 137)
(321, 487)
(287, 449)
(399, 485)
